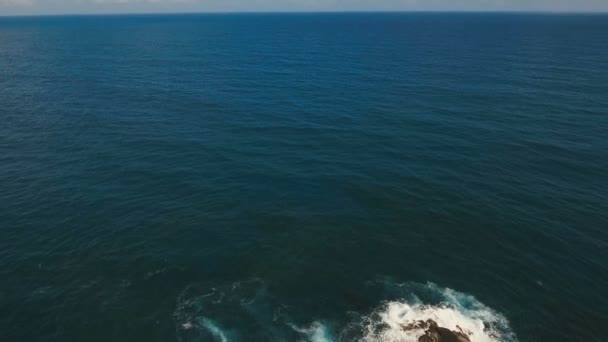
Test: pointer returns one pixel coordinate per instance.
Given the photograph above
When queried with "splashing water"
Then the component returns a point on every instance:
(250, 312)
(316, 332)
(390, 323)
(217, 333)
(398, 321)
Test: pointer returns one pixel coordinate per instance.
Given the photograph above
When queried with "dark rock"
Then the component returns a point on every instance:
(435, 333)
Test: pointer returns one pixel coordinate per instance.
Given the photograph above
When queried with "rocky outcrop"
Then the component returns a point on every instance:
(435, 333)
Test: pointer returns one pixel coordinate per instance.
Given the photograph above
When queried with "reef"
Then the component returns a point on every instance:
(434, 333)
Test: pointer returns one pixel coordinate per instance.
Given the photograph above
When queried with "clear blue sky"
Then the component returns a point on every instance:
(11, 7)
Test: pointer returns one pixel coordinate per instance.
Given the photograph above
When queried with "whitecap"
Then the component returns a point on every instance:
(214, 330)
(251, 310)
(316, 332)
(399, 320)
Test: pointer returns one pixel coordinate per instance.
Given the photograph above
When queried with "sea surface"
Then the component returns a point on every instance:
(303, 177)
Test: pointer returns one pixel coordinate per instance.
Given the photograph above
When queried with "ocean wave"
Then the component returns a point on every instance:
(316, 332)
(400, 320)
(215, 331)
(247, 310)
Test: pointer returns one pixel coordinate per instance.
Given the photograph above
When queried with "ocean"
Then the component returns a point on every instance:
(303, 177)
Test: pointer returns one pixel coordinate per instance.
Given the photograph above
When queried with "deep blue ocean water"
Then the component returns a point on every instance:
(315, 177)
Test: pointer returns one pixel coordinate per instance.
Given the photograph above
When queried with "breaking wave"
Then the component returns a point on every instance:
(316, 332)
(400, 320)
(245, 311)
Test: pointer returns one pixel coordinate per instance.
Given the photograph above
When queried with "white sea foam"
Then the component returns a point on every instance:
(455, 311)
(316, 332)
(396, 315)
(395, 320)
(214, 330)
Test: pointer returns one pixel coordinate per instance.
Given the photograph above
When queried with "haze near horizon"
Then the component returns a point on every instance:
(40, 7)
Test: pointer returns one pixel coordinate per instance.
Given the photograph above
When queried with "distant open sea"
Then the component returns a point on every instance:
(303, 177)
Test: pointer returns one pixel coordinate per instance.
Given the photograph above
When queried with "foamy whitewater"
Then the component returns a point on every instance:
(457, 312)
(247, 311)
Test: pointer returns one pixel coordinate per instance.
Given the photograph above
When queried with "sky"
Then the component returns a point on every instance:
(26, 7)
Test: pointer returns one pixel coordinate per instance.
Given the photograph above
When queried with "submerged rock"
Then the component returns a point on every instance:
(435, 333)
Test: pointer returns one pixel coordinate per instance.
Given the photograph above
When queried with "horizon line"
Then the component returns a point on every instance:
(253, 12)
